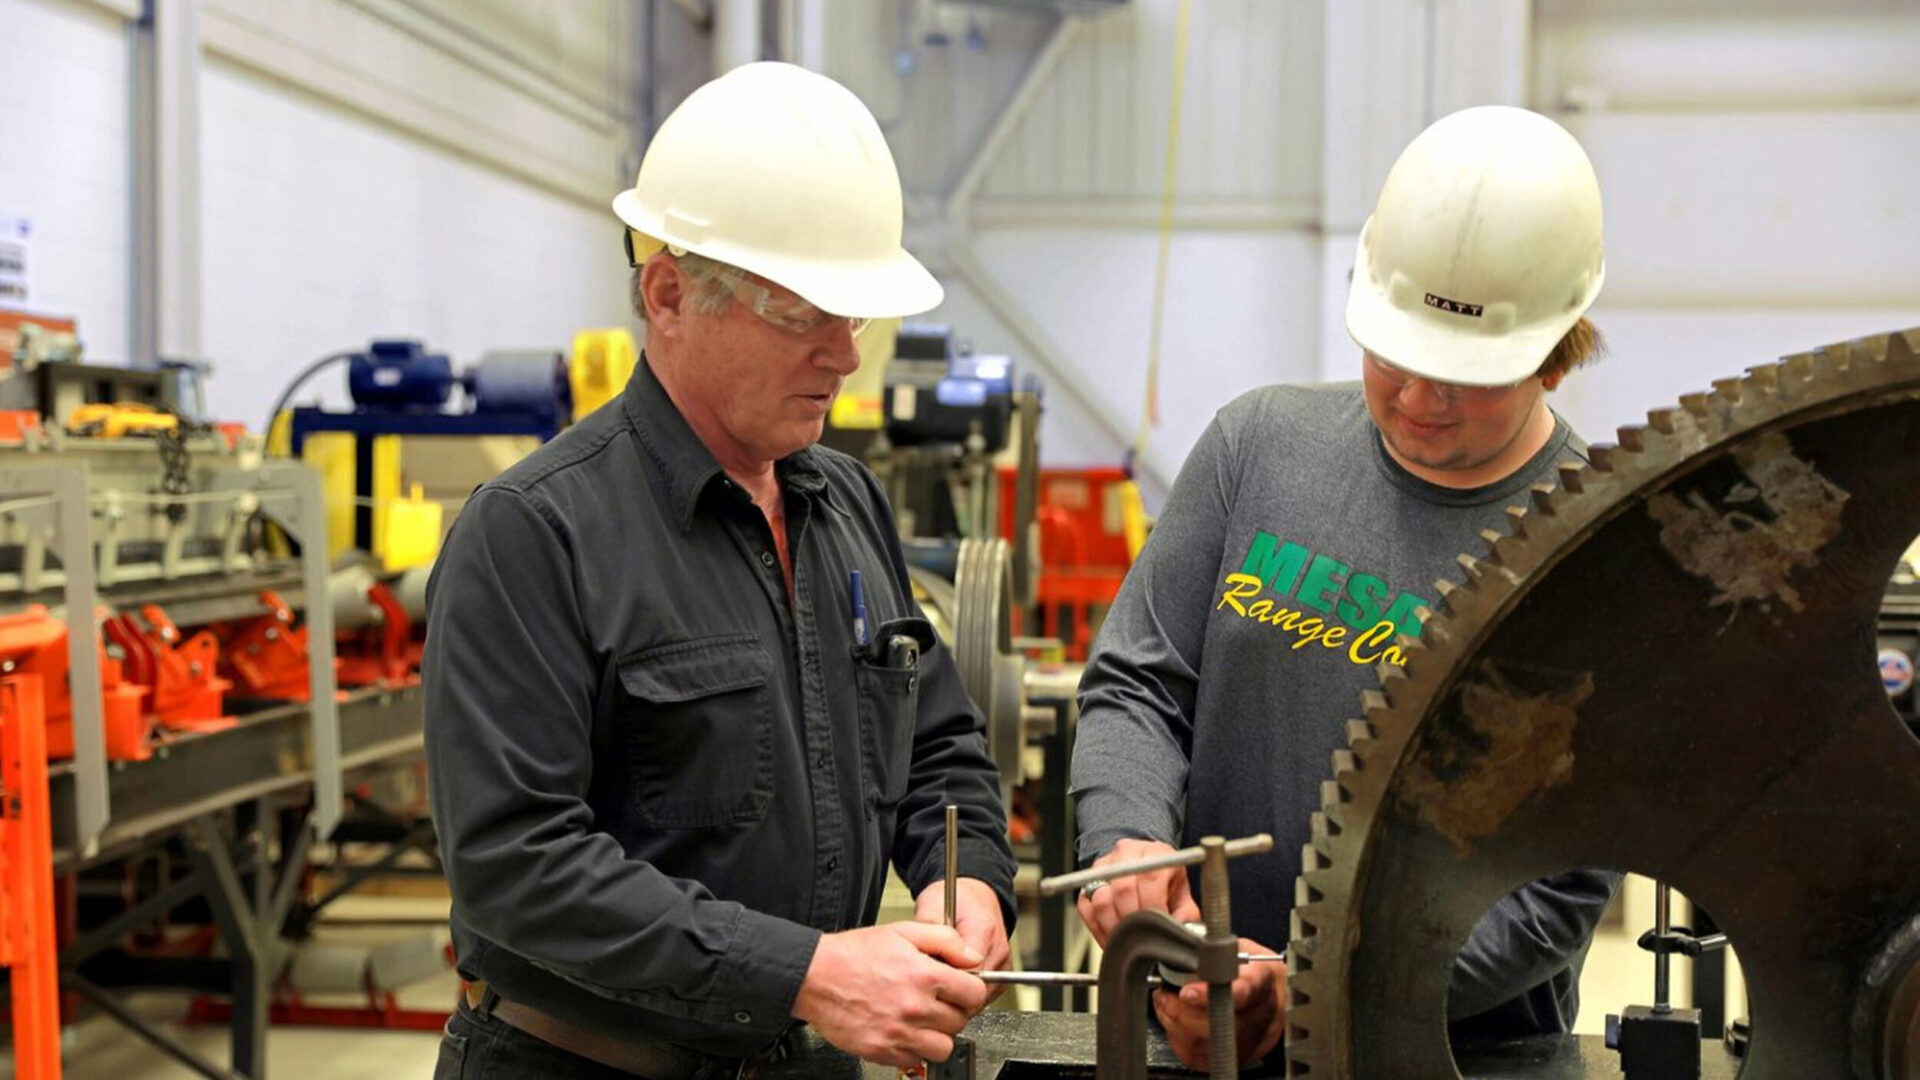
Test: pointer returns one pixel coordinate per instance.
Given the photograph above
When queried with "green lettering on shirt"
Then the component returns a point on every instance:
(1324, 574)
(1401, 614)
(1275, 563)
(1361, 608)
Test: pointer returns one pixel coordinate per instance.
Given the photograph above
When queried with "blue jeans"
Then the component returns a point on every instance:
(477, 1047)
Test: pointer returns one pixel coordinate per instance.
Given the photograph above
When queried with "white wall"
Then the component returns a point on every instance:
(66, 159)
(1755, 160)
(368, 169)
(323, 231)
(1227, 326)
(1756, 166)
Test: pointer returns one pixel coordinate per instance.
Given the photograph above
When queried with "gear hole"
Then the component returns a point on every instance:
(1616, 977)
(1897, 641)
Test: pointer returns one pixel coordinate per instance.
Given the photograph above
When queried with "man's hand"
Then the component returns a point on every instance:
(893, 994)
(1259, 1012)
(1161, 890)
(977, 917)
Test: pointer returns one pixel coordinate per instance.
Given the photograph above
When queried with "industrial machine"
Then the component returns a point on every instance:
(185, 706)
(400, 389)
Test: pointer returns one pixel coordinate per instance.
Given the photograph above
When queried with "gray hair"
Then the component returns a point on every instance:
(710, 284)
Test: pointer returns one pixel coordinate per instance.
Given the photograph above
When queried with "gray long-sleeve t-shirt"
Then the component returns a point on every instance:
(1292, 549)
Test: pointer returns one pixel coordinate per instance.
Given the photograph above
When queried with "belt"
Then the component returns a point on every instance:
(644, 1058)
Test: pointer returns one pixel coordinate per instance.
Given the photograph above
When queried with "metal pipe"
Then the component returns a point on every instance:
(1049, 978)
(1256, 844)
(953, 864)
(1082, 978)
(1662, 926)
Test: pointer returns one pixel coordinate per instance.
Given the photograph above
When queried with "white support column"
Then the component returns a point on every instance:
(1393, 67)
(167, 185)
(736, 34)
(806, 33)
(1482, 54)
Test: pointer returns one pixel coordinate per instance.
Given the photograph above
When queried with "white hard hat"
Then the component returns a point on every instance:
(784, 173)
(1483, 250)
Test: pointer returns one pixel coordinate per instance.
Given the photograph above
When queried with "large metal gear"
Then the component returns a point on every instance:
(1668, 667)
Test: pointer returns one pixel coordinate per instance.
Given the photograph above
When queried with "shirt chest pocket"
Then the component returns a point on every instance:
(697, 724)
(889, 683)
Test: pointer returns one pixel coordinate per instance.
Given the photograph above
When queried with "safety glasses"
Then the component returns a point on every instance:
(789, 313)
(1451, 393)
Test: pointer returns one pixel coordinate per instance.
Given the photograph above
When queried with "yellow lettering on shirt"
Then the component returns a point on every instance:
(1307, 629)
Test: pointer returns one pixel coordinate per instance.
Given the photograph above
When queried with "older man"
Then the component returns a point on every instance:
(1302, 537)
(682, 710)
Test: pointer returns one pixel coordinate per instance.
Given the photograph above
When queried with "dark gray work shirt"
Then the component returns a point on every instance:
(1291, 552)
(656, 780)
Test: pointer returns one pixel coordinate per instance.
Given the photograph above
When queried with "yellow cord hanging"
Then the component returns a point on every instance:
(1150, 414)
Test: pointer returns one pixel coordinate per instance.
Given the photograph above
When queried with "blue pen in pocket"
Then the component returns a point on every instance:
(859, 611)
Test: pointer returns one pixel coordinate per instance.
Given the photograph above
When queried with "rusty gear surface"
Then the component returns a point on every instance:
(1668, 667)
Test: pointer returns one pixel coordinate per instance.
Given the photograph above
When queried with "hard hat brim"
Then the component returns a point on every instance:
(892, 287)
(1449, 348)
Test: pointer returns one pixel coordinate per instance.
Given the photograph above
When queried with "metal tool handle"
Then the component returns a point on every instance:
(1257, 844)
(953, 864)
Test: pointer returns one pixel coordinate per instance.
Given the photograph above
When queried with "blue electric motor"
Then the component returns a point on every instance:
(400, 376)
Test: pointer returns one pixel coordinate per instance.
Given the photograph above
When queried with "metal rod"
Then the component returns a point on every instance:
(1048, 978)
(133, 1022)
(1662, 926)
(953, 864)
(1078, 978)
(1223, 1061)
(1246, 845)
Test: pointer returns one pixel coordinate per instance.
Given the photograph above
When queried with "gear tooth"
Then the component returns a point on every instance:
(1304, 894)
(1333, 796)
(1385, 670)
(1371, 701)
(1730, 389)
(1517, 521)
(1438, 634)
(1344, 763)
(1600, 455)
(1492, 538)
(1633, 437)
(1313, 860)
(1903, 347)
(1765, 378)
(1797, 367)
(1664, 421)
(1541, 496)
(1829, 360)
(1699, 405)
(1474, 567)
(1322, 829)
(1570, 478)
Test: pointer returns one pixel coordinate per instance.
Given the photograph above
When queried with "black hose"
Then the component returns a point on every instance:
(294, 388)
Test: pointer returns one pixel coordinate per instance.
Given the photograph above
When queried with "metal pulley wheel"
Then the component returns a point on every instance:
(1666, 668)
(993, 674)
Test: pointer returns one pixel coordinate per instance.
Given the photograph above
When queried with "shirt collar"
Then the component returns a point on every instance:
(686, 464)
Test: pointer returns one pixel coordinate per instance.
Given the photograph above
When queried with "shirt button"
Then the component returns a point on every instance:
(743, 1016)
(766, 558)
(833, 862)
